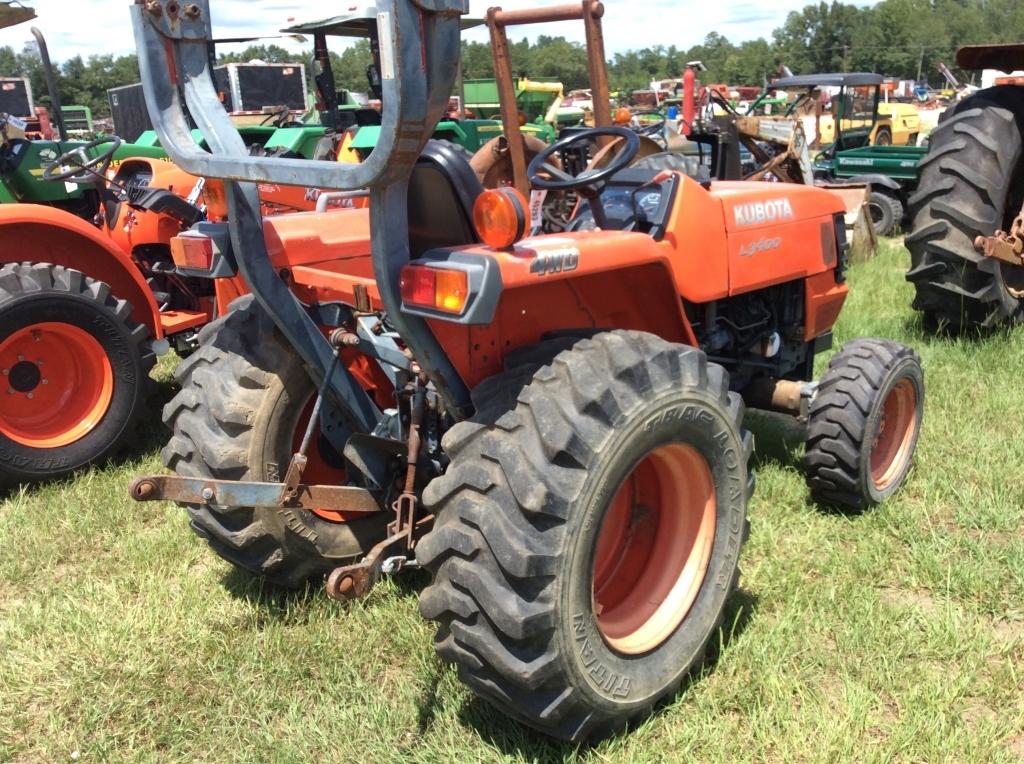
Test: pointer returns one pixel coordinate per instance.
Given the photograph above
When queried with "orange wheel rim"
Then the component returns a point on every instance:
(58, 385)
(892, 445)
(323, 466)
(653, 549)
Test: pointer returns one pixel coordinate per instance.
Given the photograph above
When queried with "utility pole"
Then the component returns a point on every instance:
(920, 66)
(846, 52)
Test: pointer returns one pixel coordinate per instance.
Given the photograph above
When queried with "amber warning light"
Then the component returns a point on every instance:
(440, 289)
(500, 216)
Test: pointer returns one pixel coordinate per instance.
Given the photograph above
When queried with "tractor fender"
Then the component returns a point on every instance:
(35, 233)
(587, 281)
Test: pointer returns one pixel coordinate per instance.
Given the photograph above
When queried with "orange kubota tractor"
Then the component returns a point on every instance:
(87, 305)
(551, 425)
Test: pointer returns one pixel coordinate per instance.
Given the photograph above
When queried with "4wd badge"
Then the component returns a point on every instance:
(555, 261)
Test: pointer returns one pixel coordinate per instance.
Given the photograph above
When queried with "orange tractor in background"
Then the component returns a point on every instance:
(86, 306)
(551, 425)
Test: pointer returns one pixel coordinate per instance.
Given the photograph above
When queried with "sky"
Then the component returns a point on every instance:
(103, 26)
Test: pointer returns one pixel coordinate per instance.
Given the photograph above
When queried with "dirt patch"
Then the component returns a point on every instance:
(1009, 632)
(976, 713)
(1016, 746)
(908, 598)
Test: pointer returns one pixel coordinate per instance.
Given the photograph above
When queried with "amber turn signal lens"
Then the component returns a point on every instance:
(499, 216)
(441, 289)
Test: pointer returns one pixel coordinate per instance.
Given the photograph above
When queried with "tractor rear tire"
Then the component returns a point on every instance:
(75, 372)
(243, 397)
(568, 488)
(886, 213)
(865, 420)
(970, 185)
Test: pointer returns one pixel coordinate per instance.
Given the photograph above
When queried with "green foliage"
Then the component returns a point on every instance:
(898, 38)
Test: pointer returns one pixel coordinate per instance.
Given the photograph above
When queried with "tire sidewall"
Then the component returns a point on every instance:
(611, 680)
(906, 368)
(125, 359)
(269, 455)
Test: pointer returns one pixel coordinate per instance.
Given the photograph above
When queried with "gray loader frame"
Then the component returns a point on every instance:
(419, 41)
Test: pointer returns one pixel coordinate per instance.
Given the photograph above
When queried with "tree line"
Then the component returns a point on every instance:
(897, 38)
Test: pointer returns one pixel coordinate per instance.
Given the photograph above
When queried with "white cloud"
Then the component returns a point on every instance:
(103, 26)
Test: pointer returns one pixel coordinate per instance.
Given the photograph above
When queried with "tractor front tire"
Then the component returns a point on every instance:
(588, 530)
(970, 185)
(75, 372)
(865, 420)
(244, 397)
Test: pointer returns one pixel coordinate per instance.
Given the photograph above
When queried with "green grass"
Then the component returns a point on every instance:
(894, 635)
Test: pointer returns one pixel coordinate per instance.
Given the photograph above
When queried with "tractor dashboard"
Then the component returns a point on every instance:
(634, 200)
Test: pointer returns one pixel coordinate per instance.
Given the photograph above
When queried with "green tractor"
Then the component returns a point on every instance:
(22, 161)
(859, 144)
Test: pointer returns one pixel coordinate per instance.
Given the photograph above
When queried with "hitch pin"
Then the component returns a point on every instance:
(292, 478)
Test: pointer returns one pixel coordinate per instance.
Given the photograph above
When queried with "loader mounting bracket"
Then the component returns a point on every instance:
(335, 498)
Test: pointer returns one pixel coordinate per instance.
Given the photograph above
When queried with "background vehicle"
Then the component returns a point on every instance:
(88, 298)
(857, 141)
(523, 416)
(967, 226)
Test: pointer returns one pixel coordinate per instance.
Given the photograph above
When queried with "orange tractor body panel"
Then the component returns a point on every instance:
(50, 235)
(606, 278)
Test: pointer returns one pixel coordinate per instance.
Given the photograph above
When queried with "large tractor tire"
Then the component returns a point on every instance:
(588, 530)
(75, 372)
(865, 420)
(244, 404)
(970, 185)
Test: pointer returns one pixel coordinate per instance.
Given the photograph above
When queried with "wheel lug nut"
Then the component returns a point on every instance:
(30, 396)
(46, 381)
(6, 372)
(21, 358)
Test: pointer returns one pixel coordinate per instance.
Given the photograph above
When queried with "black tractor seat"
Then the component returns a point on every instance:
(442, 191)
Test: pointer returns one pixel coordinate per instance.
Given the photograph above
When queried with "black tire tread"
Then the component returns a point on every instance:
(502, 510)
(17, 279)
(965, 182)
(839, 418)
(211, 421)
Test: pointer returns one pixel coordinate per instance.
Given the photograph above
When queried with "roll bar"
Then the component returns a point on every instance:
(419, 41)
(173, 38)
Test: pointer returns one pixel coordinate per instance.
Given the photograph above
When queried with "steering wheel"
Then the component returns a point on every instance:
(78, 167)
(589, 181)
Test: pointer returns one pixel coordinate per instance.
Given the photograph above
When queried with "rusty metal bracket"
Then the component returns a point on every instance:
(498, 20)
(1007, 247)
(351, 582)
(251, 494)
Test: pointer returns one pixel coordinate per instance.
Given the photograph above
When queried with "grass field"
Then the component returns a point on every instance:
(894, 635)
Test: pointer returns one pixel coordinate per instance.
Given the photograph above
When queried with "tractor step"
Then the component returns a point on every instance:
(177, 321)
